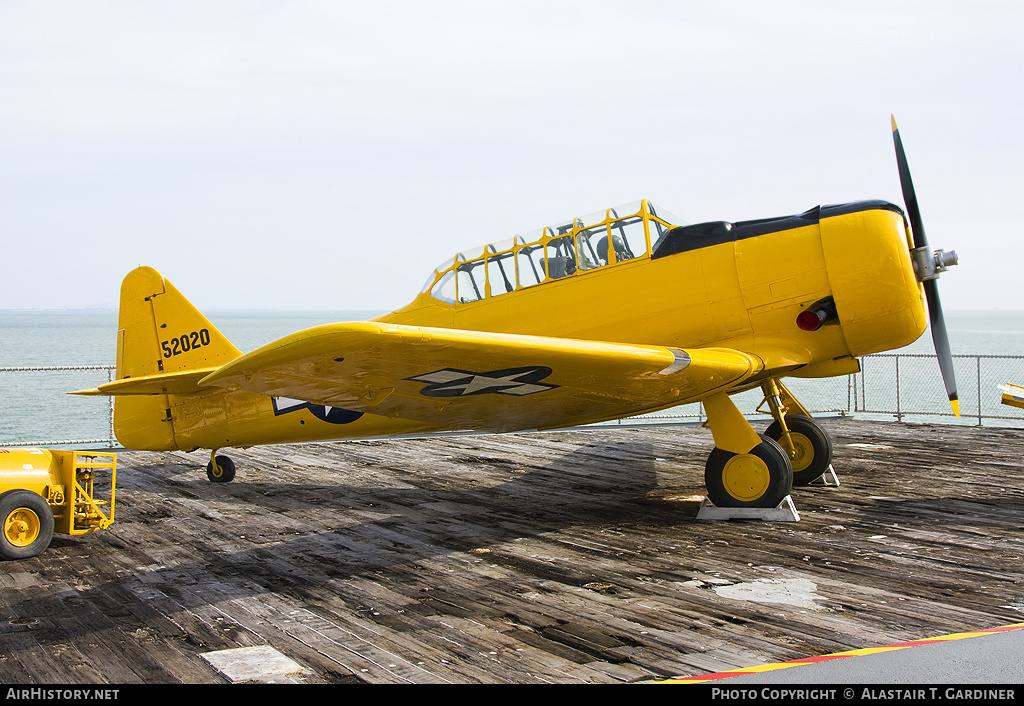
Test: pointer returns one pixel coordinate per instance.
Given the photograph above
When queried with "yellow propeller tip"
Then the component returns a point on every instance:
(893, 118)
(955, 404)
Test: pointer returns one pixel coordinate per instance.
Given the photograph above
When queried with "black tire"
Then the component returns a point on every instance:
(813, 447)
(27, 523)
(761, 478)
(225, 472)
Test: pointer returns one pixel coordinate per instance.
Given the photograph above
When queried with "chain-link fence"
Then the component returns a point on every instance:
(890, 385)
(821, 396)
(910, 386)
(35, 409)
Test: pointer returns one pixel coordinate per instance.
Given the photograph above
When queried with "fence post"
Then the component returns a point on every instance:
(978, 360)
(863, 373)
(110, 378)
(899, 415)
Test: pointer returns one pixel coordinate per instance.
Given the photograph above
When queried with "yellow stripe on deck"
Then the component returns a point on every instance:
(701, 678)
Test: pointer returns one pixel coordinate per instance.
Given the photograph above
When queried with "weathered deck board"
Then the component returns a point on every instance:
(560, 557)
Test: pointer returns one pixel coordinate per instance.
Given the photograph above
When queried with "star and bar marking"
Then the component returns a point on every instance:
(451, 382)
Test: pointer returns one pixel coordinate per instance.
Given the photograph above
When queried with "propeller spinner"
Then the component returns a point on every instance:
(928, 265)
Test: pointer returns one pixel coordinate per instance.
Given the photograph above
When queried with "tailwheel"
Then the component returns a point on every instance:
(812, 447)
(220, 469)
(762, 477)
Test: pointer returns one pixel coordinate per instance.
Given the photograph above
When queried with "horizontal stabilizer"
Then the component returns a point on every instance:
(185, 382)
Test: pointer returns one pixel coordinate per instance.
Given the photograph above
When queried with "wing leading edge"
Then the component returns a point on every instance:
(471, 380)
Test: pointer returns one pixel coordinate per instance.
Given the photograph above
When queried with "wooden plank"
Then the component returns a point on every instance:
(561, 557)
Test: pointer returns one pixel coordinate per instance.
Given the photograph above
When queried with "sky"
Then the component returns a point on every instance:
(327, 155)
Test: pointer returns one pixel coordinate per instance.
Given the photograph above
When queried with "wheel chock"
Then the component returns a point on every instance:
(785, 512)
(828, 478)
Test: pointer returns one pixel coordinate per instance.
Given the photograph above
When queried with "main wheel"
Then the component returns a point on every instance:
(761, 478)
(27, 524)
(813, 447)
(223, 473)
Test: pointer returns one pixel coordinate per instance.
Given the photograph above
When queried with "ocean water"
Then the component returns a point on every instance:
(978, 333)
(89, 336)
(34, 406)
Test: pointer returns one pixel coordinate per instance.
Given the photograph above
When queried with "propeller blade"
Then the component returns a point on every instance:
(941, 341)
(909, 196)
(931, 288)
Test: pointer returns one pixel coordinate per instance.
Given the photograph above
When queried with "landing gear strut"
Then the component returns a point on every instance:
(220, 469)
(808, 446)
(745, 470)
(749, 470)
(812, 447)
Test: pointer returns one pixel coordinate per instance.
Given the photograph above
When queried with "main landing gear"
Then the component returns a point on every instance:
(748, 470)
(808, 446)
(220, 469)
(762, 477)
(811, 453)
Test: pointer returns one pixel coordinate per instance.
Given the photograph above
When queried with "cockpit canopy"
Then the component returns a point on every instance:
(570, 249)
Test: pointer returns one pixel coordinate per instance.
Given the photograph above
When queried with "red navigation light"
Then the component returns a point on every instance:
(809, 320)
(820, 313)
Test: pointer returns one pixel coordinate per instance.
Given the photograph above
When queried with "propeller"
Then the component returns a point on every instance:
(928, 265)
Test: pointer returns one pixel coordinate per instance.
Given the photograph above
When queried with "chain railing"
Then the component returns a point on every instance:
(36, 411)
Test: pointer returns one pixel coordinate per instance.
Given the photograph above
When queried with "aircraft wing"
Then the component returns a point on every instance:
(471, 380)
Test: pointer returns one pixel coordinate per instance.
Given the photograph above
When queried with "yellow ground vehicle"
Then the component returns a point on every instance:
(43, 491)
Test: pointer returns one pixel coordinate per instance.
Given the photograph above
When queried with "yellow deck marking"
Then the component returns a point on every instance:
(701, 678)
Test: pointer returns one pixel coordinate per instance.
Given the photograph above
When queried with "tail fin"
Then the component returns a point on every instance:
(159, 333)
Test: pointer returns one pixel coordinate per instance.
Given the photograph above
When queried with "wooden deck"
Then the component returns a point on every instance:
(554, 557)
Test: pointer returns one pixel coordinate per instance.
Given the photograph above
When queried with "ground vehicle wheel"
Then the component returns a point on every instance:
(27, 523)
(225, 471)
(813, 447)
(761, 478)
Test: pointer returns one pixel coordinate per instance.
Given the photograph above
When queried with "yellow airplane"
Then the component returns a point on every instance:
(602, 317)
(1013, 395)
